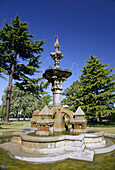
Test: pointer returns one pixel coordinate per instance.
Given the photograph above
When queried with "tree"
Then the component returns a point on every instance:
(95, 90)
(45, 100)
(2, 72)
(24, 103)
(28, 105)
(73, 95)
(97, 85)
(19, 58)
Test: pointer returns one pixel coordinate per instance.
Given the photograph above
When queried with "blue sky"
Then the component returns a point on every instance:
(84, 27)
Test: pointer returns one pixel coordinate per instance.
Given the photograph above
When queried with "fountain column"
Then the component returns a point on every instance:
(56, 75)
(57, 81)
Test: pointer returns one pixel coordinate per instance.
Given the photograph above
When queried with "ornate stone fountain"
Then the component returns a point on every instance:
(56, 75)
(49, 143)
(58, 118)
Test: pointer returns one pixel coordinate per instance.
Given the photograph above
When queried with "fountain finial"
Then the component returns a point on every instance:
(57, 55)
(56, 45)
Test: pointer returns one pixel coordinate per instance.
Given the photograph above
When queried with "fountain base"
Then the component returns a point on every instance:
(56, 148)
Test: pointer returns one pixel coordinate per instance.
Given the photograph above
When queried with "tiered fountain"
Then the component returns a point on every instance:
(58, 118)
(50, 142)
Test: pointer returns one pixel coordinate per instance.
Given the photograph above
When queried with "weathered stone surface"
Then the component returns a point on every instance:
(104, 150)
(86, 156)
(60, 144)
(63, 142)
(50, 152)
(79, 111)
(17, 153)
(96, 144)
(43, 133)
(96, 134)
(45, 111)
(109, 135)
(16, 139)
(93, 140)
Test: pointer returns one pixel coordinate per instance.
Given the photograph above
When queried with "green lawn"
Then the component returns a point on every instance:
(13, 126)
(105, 129)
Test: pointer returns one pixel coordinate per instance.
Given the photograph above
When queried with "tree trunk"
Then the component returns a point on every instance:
(9, 91)
(100, 118)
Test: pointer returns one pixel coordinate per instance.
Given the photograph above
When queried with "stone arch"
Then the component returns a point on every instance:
(60, 114)
(62, 110)
(68, 112)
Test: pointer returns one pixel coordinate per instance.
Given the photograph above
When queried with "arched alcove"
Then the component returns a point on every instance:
(62, 117)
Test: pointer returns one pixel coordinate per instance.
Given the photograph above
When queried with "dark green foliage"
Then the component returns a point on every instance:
(95, 90)
(19, 50)
(2, 72)
(97, 85)
(73, 95)
(45, 100)
(19, 58)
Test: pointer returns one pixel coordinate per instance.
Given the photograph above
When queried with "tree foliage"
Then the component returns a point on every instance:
(45, 100)
(2, 111)
(24, 103)
(2, 72)
(19, 58)
(97, 87)
(73, 95)
(95, 93)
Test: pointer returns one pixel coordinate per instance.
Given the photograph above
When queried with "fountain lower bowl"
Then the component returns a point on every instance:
(55, 148)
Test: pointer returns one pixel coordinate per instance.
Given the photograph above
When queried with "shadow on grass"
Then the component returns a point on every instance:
(4, 128)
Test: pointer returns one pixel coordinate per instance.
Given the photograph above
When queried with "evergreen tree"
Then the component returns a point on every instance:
(19, 58)
(94, 92)
(2, 72)
(73, 95)
(97, 86)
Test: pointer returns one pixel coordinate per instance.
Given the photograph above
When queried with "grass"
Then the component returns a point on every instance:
(13, 126)
(104, 129)
(7, 128)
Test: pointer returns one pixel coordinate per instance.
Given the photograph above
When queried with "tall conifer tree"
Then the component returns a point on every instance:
(97, 86)
(19, 57)
(94, 92)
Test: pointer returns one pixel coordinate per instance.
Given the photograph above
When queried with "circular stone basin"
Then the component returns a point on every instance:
(7, 162)
(56, 148)
(58, 144)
